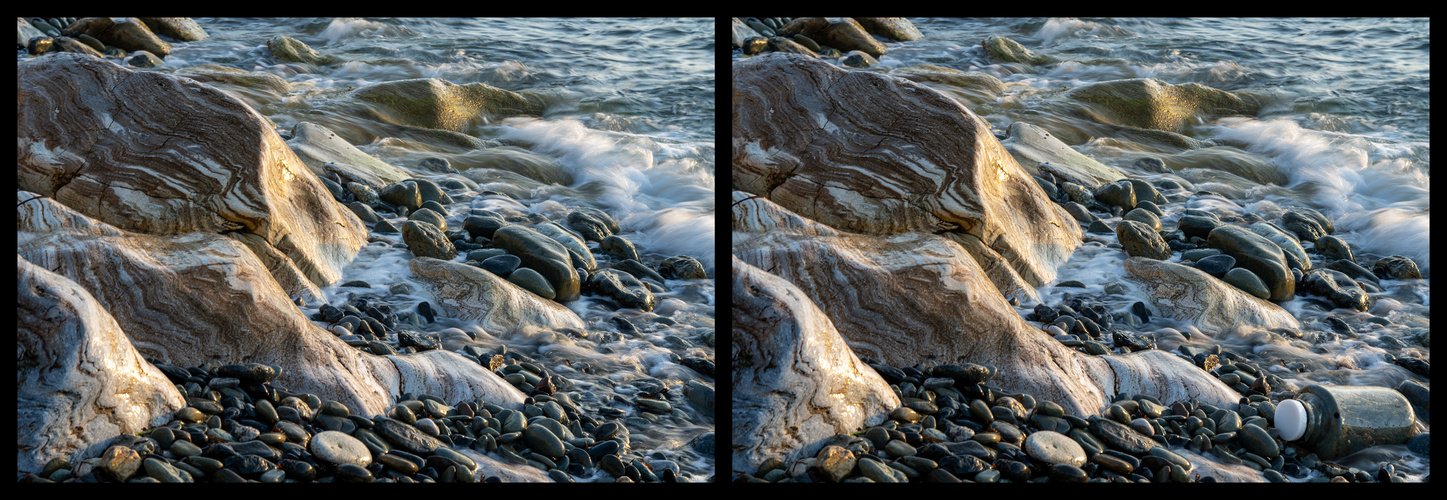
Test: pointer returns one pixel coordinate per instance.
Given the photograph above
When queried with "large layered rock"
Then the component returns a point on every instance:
(795, 382)
(440, 104)
(1189, 294)
(160, 154)
(1031, 146)
(874, 154)
(79, 382)
(869, 287)
(324, 152)
(469, 293)
(182, 299)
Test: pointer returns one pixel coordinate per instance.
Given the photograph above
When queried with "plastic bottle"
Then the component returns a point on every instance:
(1340, 420)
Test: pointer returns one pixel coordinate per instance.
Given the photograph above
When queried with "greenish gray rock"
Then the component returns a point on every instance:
(881, 473)
(682, 267)
(404, 436)
(618, 248)
(1120, 437)
(1333, 248)
(622, 287)
(1247, 281)
(1338, 288)
(1002, 49)
(403, 194)
(287, 49)
(1295, 255)
(483, 225)
(1256, 440)
(531, 281)
(544, 255)
(1396, 267)
(1146, 217)
(1138, 240)
(543, 441)
(1117, 194)
(1259, 255)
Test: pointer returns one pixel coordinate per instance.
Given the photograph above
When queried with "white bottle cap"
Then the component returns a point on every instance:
(1291, 419)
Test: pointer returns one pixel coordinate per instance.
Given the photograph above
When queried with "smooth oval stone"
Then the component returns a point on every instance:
(162, 471)
(618, 248)
(184, 449)
(406, 437)
(897, 448)
(543, 441)
(965, 374)
(1143, 426)
(248, 465)
(402, 194)
(1068, 474)
(531, 281)
(1216, 265)
(1146, 217)
(502, 265)
(1120, 437)
(880, 473)
(1247, 281)
(1171, 457)
(1117, 194)
(338, 448)
(1259, 255)
(1256, 440)
(429, 216)
(1113, 463)
(1396, 267)
(1054, 448)
(397, 463)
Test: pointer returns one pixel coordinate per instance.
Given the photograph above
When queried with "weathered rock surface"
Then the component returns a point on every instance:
(127, 33)
(182, 299)
(867, 286)
(1150, 103)
(1005, 50)
(1189, 294)
(440, 104)
(287, 49)
(1229, 160)
(180, 28)
(256, 88)
(159, 154)
(323, 151)
(795, 381)
(846, 34)
(1032, 145)
(497, 305)
(870, 153)
(894, 28)
(79, 382)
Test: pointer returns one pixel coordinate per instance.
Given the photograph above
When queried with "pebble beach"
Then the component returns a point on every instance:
(561, 243)
(1270, 234)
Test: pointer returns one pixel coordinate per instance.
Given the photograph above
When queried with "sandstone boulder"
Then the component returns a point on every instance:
(497, 305)
(544, 255)
(870, 153)
(795, 382)
(1189, 294)
(180, 28)
(79, 382)
(440, 104)
(869, 286)
(160, 154)
(127, 33)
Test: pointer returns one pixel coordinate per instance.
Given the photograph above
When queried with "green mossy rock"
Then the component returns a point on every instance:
(439, 104)
(1153, 104)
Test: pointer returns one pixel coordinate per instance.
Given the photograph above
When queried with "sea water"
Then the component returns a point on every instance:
(1345, 121)
(631, 120)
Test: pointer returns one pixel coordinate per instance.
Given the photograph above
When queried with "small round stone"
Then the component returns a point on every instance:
(339, 448)
(1054, 448)
(1257, 441)
(1143, 426)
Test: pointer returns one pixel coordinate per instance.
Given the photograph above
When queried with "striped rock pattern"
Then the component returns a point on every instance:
(184, 298)
(1189, 294)
(497, 305)
(323, 151)
(874, 154)
(795, 382)
(79, 382)
(160, 154)
(870, 287)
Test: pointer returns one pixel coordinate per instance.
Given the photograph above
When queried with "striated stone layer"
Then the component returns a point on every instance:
(183, 299)
(875, 154)
(160, 154)
(1189, 294)
(79, 382)
(870, 287)
(795, 382)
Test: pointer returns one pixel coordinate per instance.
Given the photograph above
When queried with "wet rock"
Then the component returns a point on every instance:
(788, 354)
(1333, 248)
(1120, 437)
(1117, 194)
(402, 194)
(682, 267)
(1195, 226)
(473, 294)
(325, 152)
(846, 34)
(1259, 255)
(426, 240)
(1246, 281)
(1002, 49)
(531, 281)
(1295, 255)
(1217, 265)
(542, 254)
(128, 33)
(1396, 267)
(1336, 287)
(622, 288)
(439, 104)
(483, 225)
(287, 49)
(1189, 294)
(180, 28)
(1153, 104)
(618, 248)
(1138, 240)
(898, 29)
